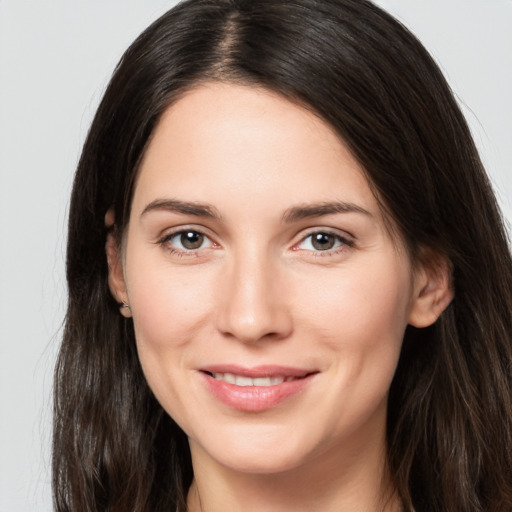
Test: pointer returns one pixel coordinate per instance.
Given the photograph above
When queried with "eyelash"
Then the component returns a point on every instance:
(165, 241)
(344, 243)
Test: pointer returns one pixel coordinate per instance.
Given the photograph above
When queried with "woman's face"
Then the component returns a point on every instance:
(268, 298)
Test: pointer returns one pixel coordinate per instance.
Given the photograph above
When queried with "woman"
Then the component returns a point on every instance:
(289, 283)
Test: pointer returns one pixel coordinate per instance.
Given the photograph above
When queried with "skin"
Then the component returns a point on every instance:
(258, 292)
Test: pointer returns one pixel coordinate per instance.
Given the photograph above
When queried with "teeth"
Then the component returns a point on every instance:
(247, 381)
(228, 377)
(244, 381)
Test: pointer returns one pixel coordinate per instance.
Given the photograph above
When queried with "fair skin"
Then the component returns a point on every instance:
(255, 249)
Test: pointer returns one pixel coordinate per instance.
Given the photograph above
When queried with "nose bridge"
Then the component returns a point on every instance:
(252, 305)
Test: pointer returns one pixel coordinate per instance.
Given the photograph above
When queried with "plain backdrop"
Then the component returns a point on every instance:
(55, 59)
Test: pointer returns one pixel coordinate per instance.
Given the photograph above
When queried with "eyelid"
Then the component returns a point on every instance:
(165, 238)
(179, 228)
(347, 240)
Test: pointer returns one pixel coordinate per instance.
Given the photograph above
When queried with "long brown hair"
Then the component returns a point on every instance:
(450, 405)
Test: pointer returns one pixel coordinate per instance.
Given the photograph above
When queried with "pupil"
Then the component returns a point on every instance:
(323, 241)
(192, 240)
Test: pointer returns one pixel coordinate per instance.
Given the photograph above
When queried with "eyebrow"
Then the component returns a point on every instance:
(184, 207)
(318, 209)
(292, 214)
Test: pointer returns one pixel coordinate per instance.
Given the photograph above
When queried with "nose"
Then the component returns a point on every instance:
(252, 301)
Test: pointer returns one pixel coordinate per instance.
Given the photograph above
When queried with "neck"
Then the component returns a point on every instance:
(349, 480)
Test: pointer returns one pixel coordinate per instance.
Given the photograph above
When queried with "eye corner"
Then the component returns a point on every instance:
(188, 241)
(329, 242)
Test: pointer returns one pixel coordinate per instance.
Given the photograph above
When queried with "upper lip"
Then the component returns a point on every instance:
(258, 371)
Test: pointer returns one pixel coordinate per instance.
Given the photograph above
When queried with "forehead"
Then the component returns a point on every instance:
(245, 139)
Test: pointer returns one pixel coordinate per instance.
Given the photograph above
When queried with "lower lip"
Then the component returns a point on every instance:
(254, 398)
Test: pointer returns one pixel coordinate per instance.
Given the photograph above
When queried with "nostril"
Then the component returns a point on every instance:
(252, 310)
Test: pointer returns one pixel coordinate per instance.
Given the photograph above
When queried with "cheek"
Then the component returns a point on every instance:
(359, 320)
(369, 301)
(167, 304)
(170, 307)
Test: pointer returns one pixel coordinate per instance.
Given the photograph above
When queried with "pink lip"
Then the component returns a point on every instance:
(258, 371)
(255, 398)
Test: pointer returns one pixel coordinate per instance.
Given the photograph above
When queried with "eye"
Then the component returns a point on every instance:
(323, 241)
(187, 240)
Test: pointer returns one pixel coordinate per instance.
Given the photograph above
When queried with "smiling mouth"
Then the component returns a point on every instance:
(240, 380)
(255, 389)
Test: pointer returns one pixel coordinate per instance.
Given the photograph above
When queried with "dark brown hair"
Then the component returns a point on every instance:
(450, 406)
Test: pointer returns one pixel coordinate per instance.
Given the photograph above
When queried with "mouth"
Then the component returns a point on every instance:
(243, 381)
(255, 389)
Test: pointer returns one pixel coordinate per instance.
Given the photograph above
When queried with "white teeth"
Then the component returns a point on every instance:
(229, 378)
(247, 381)
(243, 381)
(268, 381)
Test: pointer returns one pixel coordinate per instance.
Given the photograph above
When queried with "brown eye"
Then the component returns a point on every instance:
(191, 240)
(187, 240)
(323, 241)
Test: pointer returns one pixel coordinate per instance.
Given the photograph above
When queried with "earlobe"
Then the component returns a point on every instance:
(433, 291)
(116, 280)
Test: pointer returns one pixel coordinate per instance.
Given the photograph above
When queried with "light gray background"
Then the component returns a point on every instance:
(55, 60)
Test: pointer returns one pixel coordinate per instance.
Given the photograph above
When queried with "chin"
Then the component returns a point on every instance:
(256, 451)
(261, 463)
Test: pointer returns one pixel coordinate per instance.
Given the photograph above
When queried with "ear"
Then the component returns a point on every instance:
(116, 281)
(433, 289)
